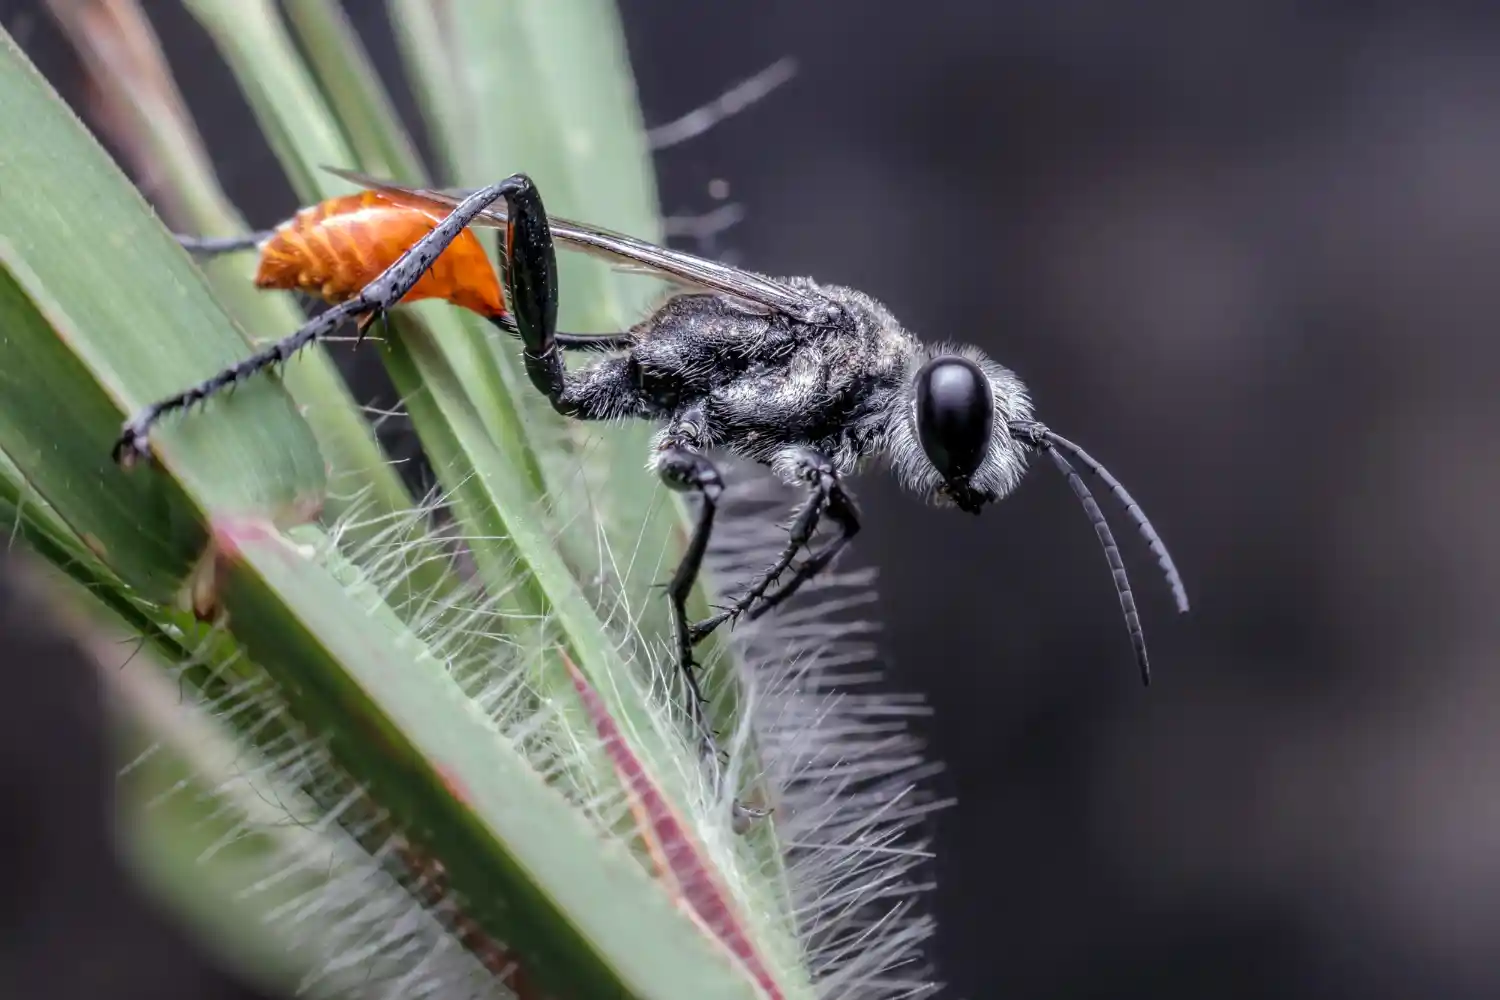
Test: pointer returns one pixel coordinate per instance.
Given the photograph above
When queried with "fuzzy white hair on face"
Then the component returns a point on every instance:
(1004, 463)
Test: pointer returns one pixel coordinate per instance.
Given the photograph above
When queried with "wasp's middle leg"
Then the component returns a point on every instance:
(681, 465)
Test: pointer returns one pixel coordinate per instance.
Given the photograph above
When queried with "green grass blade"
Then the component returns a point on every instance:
(79, 356)
(544, 439)
(532, 870)
(603, 138)
(503, 522)
(285, 96)
(24, 514)
(492, 506)
(282, 93)
(427, 381)
(574, 122)
(576, 61)
(589, 921)
(200, 825)
(545, 86)
(352, 88)
(529, 433)
(291, 98)
(286, 100)
(420, 28)
(568, 96)
(366, 495)
(496, 68)
(150, 122)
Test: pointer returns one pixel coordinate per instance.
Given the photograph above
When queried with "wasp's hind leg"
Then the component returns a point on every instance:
(682, 467)
(535, 276)
(826, 494)
(602, 391)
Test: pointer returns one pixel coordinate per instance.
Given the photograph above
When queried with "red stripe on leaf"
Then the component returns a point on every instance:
(679, 858)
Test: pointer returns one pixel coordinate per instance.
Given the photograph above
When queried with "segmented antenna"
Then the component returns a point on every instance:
(1041, 437)
(1133, 511)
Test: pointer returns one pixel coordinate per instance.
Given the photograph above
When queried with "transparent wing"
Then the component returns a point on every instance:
(762, 294)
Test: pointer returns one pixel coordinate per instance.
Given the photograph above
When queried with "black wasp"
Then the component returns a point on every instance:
(809, 379)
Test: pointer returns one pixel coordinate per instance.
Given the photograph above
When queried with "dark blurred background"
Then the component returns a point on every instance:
(1248, 253)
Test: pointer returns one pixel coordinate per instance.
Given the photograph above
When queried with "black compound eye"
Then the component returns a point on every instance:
(955, 414)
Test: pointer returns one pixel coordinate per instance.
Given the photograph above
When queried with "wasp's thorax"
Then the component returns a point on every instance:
(951, 444)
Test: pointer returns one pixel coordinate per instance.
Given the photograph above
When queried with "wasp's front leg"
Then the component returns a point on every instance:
(826, 494)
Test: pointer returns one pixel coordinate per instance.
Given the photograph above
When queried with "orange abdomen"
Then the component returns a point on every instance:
(335, 248)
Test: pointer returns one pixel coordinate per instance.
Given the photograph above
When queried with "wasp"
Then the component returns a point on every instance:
(813, 380)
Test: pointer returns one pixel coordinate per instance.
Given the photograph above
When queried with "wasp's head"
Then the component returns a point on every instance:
(963, 442)
(952, 444)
